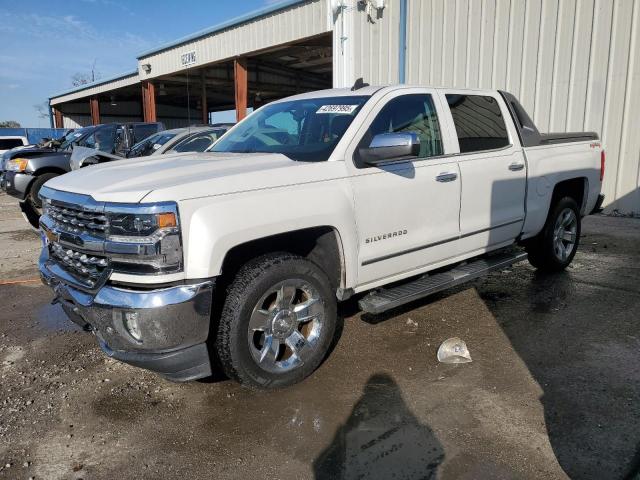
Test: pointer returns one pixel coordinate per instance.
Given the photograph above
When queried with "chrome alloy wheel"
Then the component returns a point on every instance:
(285, 325)
(565, 234)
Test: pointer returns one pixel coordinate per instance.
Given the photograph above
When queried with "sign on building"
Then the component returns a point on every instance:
(188, 58)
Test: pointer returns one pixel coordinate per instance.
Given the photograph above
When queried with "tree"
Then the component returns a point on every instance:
(81, 78)
(9, 124)
(42, 109)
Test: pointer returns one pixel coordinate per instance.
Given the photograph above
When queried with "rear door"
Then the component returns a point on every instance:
(406, 211)
(492, 168)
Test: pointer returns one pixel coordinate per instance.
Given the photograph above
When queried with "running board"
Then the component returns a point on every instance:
(386, 299)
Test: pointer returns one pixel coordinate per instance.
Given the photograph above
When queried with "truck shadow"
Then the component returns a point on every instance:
(581, 350)
(380, 439)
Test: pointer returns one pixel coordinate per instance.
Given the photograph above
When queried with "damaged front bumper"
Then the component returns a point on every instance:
(163, 330)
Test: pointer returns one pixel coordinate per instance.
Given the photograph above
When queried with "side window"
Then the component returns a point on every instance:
(120, 144)
(142, 131)
(410, 113)
(9, 143)
(102, 139)
(479, 122)
(89, 142)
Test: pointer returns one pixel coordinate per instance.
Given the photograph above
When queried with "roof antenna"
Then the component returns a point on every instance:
(359, 83)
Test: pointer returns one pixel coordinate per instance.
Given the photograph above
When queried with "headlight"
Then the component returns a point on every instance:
(17, 165)
(140, 228)
(144, 239)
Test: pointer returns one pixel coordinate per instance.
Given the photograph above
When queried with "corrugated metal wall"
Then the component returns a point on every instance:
(103, 87)
(294, 23)
(376, 44)
(574, 64)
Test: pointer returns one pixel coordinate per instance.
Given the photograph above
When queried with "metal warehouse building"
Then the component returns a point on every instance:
(574, 64)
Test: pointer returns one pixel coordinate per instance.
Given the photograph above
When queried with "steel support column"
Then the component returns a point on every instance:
(149, 101)
(94, 107)
(57, 118)
(241, 87)
(203, 98)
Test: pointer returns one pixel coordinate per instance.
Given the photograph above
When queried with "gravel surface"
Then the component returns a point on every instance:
(553, 390)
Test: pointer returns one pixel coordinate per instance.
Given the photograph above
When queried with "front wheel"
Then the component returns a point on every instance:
(277, 323)
(554, 248)
(33, 197)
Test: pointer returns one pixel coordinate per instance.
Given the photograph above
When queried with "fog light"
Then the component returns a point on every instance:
(131, 325)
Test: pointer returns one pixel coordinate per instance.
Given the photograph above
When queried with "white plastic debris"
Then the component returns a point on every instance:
(454, 350)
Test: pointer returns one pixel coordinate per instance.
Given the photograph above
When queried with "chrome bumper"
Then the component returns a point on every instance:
(172, 323)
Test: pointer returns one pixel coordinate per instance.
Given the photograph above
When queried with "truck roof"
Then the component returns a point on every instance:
(372, 89)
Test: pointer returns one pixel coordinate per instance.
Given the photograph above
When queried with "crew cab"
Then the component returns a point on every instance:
(27, 170)
(238, 257)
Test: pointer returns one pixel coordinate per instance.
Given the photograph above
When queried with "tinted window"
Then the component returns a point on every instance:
(8, 143)
(479, 122)
(198, 142)
(410, 113)
(140, 132)
(102, 138)
(150, 144)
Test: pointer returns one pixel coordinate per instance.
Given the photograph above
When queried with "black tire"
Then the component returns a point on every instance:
(32, 197)
(233, 343)
(542, 248)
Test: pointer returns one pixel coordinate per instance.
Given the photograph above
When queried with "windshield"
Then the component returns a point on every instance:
(74, 136)
(305, 130)
(151, 144)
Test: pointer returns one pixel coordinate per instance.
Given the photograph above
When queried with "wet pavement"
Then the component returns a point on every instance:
(553, 390)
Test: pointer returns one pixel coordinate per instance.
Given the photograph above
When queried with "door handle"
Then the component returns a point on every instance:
(515, 166)
(447, 177)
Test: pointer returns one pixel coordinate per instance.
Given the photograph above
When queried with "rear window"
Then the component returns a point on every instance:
(479, 122)
(9, 143)
(198, 142)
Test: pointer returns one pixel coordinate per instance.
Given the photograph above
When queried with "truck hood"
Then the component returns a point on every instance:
(185, 175)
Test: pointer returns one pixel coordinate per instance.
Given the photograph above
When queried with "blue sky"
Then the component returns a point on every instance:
(44, 42)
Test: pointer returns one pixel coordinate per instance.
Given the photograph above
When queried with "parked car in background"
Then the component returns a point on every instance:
(20, 137)
(188, 139)
(7, 142)
(27, 170)
(241, 254)
(177, 140)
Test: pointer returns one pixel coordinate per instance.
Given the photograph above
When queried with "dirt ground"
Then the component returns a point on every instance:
(553, 390)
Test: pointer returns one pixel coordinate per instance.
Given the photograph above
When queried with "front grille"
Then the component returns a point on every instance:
(76, 220)
(89, 269)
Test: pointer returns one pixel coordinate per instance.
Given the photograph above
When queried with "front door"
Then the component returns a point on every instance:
(406, 211)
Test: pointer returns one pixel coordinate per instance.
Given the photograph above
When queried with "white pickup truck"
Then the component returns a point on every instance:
(236, 258)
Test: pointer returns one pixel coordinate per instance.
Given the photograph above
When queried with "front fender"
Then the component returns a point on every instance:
(54, 160)
(217, 224)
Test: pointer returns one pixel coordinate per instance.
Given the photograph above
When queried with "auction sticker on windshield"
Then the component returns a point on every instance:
(346, 109)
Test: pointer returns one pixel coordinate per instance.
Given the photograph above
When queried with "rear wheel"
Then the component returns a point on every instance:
(277, 322)
(554, 248)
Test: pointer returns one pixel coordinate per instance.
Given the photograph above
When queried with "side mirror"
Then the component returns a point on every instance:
(388, 147)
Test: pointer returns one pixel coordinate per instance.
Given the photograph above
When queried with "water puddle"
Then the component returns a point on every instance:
(53, 318)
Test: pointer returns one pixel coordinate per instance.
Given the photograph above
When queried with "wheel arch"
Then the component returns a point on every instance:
(321, 245)
(576, 188)
(49, 169)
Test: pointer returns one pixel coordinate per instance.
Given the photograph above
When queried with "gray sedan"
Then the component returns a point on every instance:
(189, 139)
